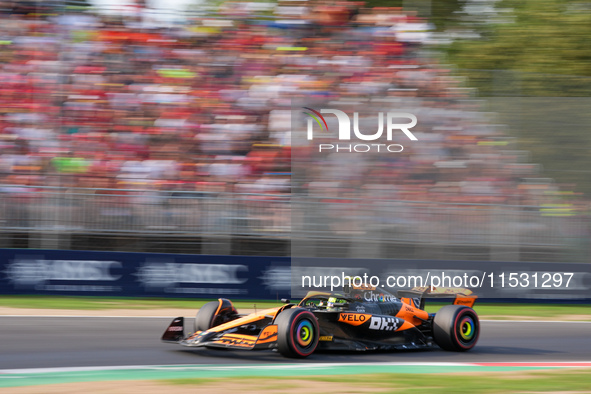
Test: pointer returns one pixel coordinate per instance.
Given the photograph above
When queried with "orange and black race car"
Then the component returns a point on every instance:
(359, 318)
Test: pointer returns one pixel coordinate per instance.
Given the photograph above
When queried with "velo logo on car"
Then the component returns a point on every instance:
(354, 319)
(395, 121)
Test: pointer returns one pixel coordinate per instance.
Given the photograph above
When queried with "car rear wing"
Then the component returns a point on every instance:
(417, 295)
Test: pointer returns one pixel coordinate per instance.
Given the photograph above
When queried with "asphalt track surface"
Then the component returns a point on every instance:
(44, 342)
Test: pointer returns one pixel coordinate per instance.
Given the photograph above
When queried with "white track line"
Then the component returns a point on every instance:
(209, 367)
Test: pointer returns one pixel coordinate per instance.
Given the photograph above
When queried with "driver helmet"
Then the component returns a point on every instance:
(333, 304)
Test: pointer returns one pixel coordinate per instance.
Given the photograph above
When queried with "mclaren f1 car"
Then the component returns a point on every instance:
(358, 319)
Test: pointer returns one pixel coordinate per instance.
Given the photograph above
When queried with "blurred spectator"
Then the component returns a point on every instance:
(91, 100)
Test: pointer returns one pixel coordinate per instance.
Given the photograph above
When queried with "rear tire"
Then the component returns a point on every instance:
(297, 333)
(456, 328)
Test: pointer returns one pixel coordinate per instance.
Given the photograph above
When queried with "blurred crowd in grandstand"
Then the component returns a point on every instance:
(108, 101)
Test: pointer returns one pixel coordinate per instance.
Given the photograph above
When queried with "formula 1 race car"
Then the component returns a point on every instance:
(360, 318)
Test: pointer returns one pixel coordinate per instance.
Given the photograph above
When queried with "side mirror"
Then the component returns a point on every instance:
(285, 300)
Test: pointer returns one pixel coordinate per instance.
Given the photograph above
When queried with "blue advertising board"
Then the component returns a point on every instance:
(118, 274)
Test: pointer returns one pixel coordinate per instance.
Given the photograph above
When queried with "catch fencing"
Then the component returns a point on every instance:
(281, 224)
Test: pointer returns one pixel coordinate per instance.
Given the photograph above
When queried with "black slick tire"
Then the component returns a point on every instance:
(456, 328)
(206, 315)
(297, 333)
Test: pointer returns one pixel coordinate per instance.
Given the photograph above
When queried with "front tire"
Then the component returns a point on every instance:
(215, 313)
(297, 333)
(205, 316)
(456, 328)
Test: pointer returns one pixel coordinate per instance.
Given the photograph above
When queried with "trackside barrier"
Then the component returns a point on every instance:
(116, 274)
(119, 274)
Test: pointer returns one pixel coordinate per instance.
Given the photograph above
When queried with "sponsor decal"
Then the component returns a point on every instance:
(361, 286)
(277, 278)
(175, 328)
(236, 342)
(372, 296)
(354, 319)
(325, 338)
(41, 274)
(360, 308)
(188, 278)
(467, 301)
(165, 274)
(39, 271)
(268, 332)
(384, 323)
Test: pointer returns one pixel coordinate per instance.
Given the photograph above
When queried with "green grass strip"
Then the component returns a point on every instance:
(405, 382)
(99, 303)
(517, 311)
(404, 375)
